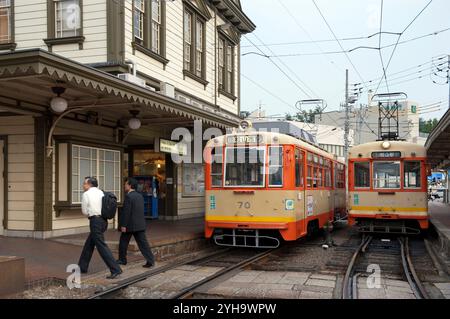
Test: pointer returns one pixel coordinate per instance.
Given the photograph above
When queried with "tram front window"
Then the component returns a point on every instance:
(244, 167)
(386, 175)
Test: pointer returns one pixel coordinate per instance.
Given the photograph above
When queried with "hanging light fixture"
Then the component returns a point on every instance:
(58, 104)
(134, 123)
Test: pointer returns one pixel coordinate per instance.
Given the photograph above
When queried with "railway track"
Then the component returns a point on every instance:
(393, 254)
(216, 258)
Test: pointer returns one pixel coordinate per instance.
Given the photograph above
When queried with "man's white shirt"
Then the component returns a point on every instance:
(91, 203)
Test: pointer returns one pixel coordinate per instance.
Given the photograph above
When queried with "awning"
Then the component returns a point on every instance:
(438, 144)
(26, 79)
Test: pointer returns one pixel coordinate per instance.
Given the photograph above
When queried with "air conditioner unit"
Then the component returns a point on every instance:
(167, 90)
(132, 79)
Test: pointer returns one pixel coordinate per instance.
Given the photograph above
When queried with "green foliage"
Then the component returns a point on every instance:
(426, 126)
(304, 116)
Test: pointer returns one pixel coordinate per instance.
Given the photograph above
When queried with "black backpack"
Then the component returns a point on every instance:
(109, 205)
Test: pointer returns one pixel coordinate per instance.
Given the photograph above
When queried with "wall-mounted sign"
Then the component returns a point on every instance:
(173, 147)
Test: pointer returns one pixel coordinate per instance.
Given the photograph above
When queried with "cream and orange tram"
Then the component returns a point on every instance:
(264, 187)
(388, 187)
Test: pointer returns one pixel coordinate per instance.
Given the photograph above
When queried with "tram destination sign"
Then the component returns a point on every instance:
(386, 154)
(244, 139)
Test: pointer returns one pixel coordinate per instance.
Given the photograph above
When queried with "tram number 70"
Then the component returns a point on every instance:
(245, 205)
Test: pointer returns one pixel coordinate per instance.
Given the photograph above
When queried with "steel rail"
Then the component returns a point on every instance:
(144, 276)
(189, 291)
(347, 285)
(410, 272)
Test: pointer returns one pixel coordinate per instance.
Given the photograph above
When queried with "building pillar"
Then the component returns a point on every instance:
(43, 186)
(172, 191)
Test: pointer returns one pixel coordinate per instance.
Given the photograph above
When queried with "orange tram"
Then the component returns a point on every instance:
(263, 187)
(388, 187)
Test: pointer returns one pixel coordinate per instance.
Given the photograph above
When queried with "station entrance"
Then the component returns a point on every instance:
(149, 169)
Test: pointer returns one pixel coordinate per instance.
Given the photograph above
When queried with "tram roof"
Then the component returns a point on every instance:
(366, 150)
(268, 138)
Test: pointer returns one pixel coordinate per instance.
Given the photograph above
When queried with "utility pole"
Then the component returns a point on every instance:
(448, 80)
(347, 118)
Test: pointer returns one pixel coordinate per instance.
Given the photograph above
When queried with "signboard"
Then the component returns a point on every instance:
(386, 154)
(244, 139)
(172, 147)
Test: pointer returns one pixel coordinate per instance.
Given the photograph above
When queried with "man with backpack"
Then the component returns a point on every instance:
(92, 206)
(132, 224)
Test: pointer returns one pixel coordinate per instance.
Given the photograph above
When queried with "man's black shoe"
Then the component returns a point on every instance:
(121, 262)
(115, 275)
(149, 265)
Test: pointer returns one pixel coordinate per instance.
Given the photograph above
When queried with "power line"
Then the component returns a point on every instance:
(399, 37)
(266, 90)
(435, 33)
(287, 67)
(337, 40)
(279, 68)
(379, 45)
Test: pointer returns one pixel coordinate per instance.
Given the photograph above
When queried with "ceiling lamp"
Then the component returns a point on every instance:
(58, 104)
(134, 123)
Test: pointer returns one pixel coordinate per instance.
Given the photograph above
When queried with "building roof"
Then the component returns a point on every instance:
(438, 144)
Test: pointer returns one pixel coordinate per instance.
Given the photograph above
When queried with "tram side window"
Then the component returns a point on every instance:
(276, 166)
(216, 167)
(412, 174)
(362, 175)
(327, 173)
(309, 178)
(386, 175)
(298, 168)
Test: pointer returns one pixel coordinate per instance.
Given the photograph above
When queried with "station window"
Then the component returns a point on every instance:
(298, 168)
(104, 164)
(276, 166)
(412, 174)
(362, 175)
(216, 167)
(386, 175)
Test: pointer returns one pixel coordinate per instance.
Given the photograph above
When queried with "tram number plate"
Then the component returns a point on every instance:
(244, 139)
(245, 205)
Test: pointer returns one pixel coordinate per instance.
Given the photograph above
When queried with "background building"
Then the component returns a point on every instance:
(95, 88)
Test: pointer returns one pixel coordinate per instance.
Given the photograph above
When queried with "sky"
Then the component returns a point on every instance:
(313, 69)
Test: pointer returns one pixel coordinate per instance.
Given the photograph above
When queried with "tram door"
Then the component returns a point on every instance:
(2, 185)
(300, 180)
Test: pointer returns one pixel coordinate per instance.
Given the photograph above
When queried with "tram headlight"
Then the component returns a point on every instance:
(386, 145)
(245, 125)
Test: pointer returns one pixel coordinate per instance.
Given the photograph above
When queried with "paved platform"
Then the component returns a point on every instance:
(440, 219)
(49, 258)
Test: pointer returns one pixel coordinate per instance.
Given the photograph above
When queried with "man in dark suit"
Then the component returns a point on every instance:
(132, 224)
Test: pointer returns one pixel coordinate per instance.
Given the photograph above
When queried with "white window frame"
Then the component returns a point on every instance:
(374, 179)
(188, 17)
(243, 186)
(139, 8)
(117, 187)
(156, 26)
(404, 174)
(354, 175)
(280, 165)
(59, 18)
(6, 6)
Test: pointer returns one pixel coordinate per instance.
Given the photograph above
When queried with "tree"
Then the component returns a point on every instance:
(426, 126)
(305, 116)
